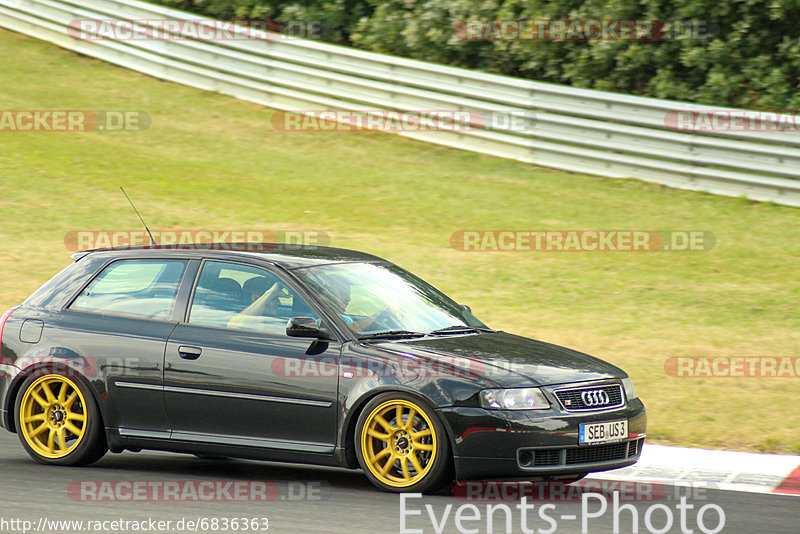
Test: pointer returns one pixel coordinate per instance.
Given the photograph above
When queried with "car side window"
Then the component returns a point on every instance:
(244, 297)
(145, 288)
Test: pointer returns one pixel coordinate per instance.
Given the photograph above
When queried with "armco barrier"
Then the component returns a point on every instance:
(578, 130)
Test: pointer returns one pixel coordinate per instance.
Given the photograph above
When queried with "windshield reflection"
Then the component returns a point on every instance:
(374, 298)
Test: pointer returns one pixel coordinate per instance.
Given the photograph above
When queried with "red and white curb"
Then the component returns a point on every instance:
(726, 470)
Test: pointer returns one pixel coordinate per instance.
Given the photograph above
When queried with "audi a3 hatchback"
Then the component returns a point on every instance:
(301, 354)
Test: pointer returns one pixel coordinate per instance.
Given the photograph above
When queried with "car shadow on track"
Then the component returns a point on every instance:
(187, 466)
(151, 465)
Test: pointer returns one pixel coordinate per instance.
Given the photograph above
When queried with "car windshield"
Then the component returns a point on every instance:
(383, 299)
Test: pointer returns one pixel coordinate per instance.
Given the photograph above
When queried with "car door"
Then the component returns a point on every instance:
(225, 376)
(119, 323)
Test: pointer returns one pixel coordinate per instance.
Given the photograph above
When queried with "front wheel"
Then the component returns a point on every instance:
(58, 421)
(401, 445)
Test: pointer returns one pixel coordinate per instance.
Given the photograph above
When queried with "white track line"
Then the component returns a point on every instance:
(727, 470)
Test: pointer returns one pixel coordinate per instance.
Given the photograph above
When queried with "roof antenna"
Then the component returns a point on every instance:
(152, 241)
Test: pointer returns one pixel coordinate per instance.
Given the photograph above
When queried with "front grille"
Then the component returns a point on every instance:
(587, 454)
(575, 399)
(598, 453)
(546, 457)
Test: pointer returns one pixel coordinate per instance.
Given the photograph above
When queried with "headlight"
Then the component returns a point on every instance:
(627, 383)
(514, 399)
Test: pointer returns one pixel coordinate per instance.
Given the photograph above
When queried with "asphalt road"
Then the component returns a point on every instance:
(301, 499)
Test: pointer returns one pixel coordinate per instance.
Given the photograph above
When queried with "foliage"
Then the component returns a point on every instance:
(742, 53)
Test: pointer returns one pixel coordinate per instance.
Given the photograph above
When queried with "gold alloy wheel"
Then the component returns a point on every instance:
(398, 443)
(53, 416)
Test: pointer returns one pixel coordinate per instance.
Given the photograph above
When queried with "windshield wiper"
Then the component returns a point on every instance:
(458, 329)
(391, 334)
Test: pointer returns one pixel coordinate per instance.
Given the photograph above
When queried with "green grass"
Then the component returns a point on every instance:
(210, 161)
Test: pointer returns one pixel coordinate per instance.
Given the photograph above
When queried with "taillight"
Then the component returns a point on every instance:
(3, 320)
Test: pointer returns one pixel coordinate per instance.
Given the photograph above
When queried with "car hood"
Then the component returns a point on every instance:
(506, 359)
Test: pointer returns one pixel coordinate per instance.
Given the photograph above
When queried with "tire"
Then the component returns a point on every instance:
(401, 445)
(58, 421)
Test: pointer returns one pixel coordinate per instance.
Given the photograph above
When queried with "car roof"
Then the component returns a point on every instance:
(288, 256)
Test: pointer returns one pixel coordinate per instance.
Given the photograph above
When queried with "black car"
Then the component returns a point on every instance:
(300, 354)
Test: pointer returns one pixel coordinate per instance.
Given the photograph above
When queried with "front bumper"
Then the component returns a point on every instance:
(519, 445)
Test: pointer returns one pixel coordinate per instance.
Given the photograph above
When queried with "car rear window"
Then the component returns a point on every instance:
(145, 288)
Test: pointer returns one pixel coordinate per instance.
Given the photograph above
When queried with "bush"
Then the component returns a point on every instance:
(747, 54)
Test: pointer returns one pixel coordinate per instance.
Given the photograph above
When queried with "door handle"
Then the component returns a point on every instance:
(189, 353)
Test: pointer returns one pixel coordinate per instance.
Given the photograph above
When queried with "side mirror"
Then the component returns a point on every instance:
(466, 308)
(304, 327)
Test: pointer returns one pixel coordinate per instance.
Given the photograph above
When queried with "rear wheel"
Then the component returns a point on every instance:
(58, 421)
(401, 445)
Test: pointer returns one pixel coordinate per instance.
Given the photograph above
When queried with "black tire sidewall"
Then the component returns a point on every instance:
(91, 448)
(438, 474)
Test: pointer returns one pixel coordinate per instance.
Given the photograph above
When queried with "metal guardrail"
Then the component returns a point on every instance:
(578, 130)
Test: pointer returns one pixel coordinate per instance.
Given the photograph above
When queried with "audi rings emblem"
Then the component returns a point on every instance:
(595, 397)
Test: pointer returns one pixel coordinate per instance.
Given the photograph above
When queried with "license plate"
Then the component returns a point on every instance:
(610, 431)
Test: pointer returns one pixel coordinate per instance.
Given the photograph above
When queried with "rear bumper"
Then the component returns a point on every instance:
(8, 374)
(524, 445)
